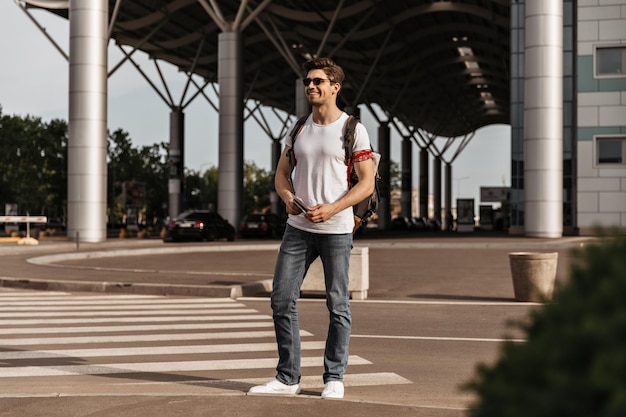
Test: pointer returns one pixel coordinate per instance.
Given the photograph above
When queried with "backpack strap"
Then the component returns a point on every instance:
(294, 134)
(348, 142)
(348, 136)
(291, 156)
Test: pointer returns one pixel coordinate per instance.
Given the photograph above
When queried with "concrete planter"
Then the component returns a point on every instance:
(359, 275)
(533, 275)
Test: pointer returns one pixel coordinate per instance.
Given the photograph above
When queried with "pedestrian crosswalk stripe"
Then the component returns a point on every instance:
(139, 338)
(125, 307)
(122, 302)
(61, 335)
(129, 313)
(139, 328)
(349, 380)
(6, 293)
(158, 319)
(151, 350)
(152, 367)
(54, 295)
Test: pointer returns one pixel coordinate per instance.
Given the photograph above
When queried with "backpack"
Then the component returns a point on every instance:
(364, 210)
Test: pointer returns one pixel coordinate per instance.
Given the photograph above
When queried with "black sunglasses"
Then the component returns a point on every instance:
(316, 81)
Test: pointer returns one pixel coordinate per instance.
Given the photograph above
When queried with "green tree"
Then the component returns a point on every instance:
(257, 183)
(200, 189)
(574, 362)
(146, 165)
(33, 163)
(33, 160)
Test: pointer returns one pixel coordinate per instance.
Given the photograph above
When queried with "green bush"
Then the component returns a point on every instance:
(574, 361)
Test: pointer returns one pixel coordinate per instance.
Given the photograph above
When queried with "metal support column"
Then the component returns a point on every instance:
(406, 198)
(423, 183)
(437, 190)
(384, 169)
(449, 220)
(543, 119)
(176, 162)
(87, 143)
(230, 170)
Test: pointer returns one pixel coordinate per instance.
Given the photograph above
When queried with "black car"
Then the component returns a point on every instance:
(401, 223)
(199, 225)
(261, 225)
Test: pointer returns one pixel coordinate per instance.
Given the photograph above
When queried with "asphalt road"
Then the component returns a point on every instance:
(437, 307)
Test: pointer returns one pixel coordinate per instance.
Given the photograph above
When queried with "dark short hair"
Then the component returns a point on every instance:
(332, 70)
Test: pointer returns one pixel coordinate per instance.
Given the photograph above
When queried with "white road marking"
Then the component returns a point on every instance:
(130, 313)
(349, 380)
(157, 367)
(151, 351)
(69, 321)
(168, 337)
(150, 319)
(447, 303)
(116, 307)
(448, 339)
(136, 328)
(135, 299)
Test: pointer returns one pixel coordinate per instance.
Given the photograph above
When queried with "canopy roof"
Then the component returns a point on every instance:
(441, 66)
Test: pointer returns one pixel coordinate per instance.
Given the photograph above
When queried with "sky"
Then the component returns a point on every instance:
(34, 81)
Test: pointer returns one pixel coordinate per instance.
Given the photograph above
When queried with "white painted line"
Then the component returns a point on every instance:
(349, 380)
(126, 301)
(108, 306)
(154, 251)
(158, 388)
(161, 271)
(6, 293)
(445, 303)
(450, 339)
(151, 350)
(159, 367)
(61, 295)
(129, 313)
(136, 328)
(33, 295)
(416, 302)
(139, 338)
(151, 319)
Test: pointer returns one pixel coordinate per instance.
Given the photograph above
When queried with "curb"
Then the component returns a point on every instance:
(210, 291)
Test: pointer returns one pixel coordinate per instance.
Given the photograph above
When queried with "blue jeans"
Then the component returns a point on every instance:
(297, 251)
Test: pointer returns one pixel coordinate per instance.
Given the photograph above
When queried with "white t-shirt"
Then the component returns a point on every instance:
(321, 175)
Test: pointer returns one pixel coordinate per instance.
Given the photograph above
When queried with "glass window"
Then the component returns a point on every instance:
(610, 61)
(611, 150)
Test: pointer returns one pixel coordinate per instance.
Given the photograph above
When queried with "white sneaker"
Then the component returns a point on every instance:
(333, 389)
(275, 387)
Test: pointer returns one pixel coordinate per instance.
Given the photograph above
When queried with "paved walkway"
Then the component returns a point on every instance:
(402, 266)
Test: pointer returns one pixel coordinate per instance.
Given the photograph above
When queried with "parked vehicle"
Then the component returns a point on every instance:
(401, 223)
(199, 225)
(420, 223)
(415, 224)
(267, 225)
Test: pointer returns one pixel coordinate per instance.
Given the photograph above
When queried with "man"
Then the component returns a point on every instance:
(323, 229)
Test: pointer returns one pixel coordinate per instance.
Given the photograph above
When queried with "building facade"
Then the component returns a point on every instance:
(593, 118)
(601, 114)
